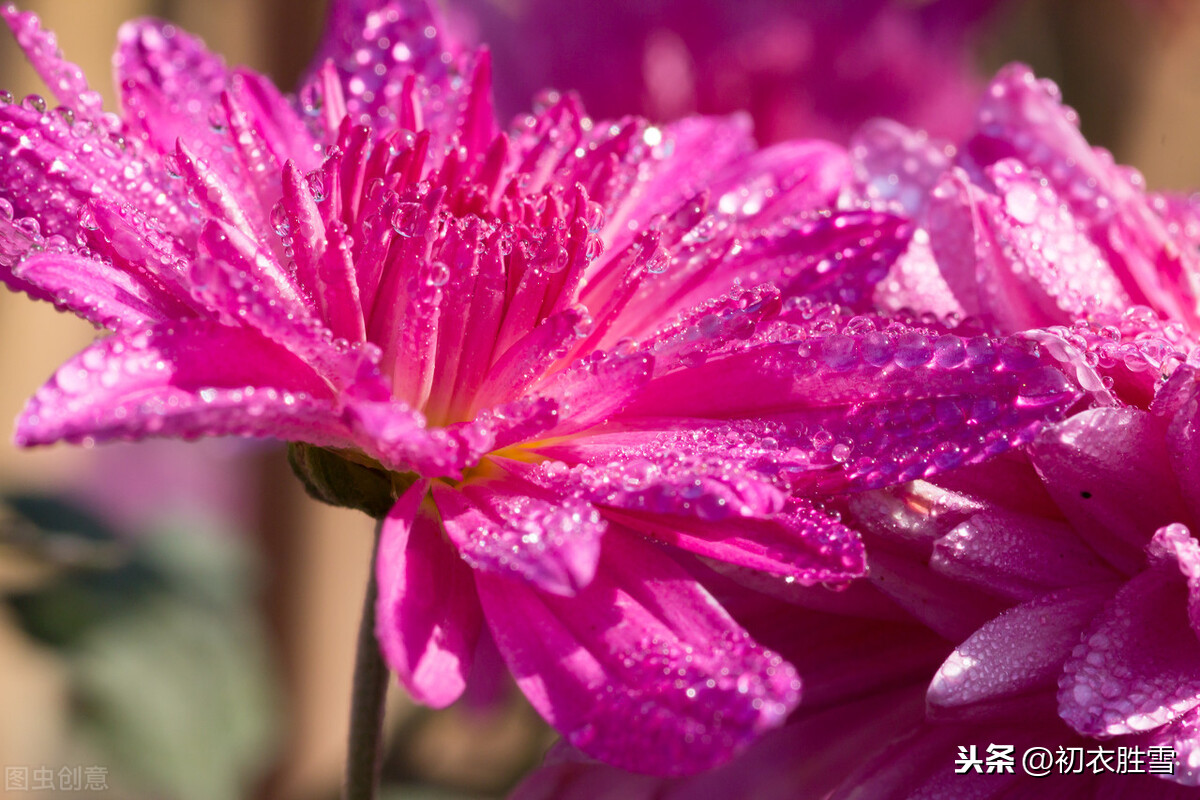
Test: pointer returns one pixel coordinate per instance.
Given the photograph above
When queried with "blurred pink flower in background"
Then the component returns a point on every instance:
(816, 69)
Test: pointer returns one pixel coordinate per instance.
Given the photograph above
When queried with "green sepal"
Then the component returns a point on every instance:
(333, 479)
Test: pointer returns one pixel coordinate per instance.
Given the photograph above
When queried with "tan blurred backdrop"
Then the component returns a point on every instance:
(1133, 75)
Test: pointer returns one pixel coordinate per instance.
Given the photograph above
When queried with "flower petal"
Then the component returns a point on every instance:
(65, 79)
(1138, 666)
(1017, 653)
(869, 409)
(1109, 472)
(428, 617)
(94, 290)
(54, 164)
(506, 528)
(642, 669)
(190, 378)
(1023, 117)
(802, 543)
(1018, 556)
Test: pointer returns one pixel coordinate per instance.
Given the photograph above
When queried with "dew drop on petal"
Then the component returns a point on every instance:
(406, 218)
(280, 221)
(316, 185)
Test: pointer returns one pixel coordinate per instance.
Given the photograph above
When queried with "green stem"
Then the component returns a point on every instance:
(367, 702)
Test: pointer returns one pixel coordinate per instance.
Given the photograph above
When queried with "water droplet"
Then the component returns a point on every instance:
(36, 102)
(406, 218)
(316, 185)
(216, 119)
(439, 274)
(280, 221)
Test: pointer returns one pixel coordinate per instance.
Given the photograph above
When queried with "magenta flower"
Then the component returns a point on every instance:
(569, 354)
(818, 68)
(1058, 585)
(1024, 224)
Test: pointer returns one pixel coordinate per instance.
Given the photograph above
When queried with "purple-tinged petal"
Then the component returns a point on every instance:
(896, 167)
(686, 156)
(1022, 117)
(188, 379)
(1046, 247)
(802, 542)
(1183, 434)
(1018, 653)
(1018, 556)
(593, 664)
(594, 387)
(916, 282)
(837, 257)
(223, 279)
(911, 516)
(171, 87)
(245, 265)
(1183, 737)
(660, 472)
(273, 119)
(780, 181)
(868, 409)
(1109, 471)
(526, 361)
(139, 244)
(373, 43)
(498, 527)
(217, 197)
(713, 326)
(1174, 547)
(1138, 666)
(66, 80)
(428, 616)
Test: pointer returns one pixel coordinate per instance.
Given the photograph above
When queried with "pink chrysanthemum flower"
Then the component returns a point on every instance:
(1058, 586)
(551, 352)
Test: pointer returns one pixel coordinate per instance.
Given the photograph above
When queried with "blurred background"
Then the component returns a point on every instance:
(178, 619)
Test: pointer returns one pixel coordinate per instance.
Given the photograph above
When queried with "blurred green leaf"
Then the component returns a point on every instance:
(170, 675)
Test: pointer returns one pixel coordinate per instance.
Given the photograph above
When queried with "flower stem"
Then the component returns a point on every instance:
(367, 701)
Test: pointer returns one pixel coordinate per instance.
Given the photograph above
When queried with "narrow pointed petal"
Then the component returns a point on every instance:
(867, 409)
(1020, 652)
(65, 79)
(554, 543)
(274, 119)
(1138, 665)
(592, 664)
(801, 543)
(188, 379)
(398, 438)
(593, 388)
(1018, 556)
(659, 472)
(94, 290)
(428, 617)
